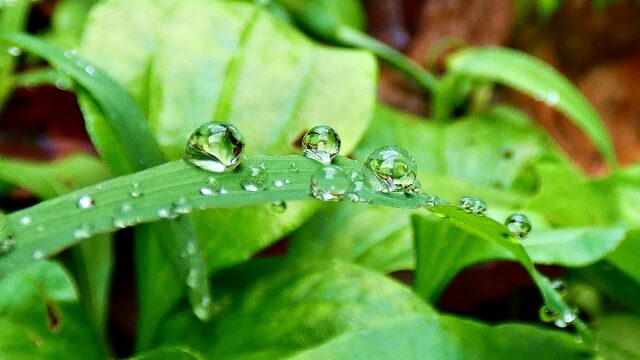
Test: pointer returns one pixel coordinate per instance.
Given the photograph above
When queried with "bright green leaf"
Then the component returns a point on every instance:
(532, 76)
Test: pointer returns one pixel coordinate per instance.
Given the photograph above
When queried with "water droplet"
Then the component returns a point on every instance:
(547, 314)
(329, 183)
(192, 278)
(119, 223)
(215, 147)
(255, 179)
(181, 206)
(164, 213)
(14, 51)
(82, 232)
(69, 53)
(279, 207)
(25, 220)
(559, 286)
(519, 225)
(321, 144)
(38, 254)
(125, 208)
(391, 169)
(134, 190)
(551, 98)
(202, 309)
(7, 245)
(85, 202)
(223, 191)
(357, 191)
(278, 183)
(293, 167)
(474, 206)
(89, 69)
(433, 200)
(206, 191)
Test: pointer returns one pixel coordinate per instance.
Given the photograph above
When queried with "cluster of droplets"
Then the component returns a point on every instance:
(472, 205)
(561, 320)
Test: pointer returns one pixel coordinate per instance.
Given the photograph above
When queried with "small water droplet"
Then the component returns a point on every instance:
(164, 213)
(134, 190)
(181, 206)
(215, 147)
(474, 206)
(192, 278)
(85, 202)
(7, 245)
(38, 254)
(125, 208)
(206, 191)
(40, 228)
(329, 183)
(321, 144)
(255, 179)
(519, 225)
(552, 98)
(391, 169)
(278, 183)
(433, 200)
(223, 191)
(293, 167)
(14, 51)
(279, 207)
(203, 308)
(89, 69)
(25, 220)
(82, 232)
(69, 53)
(547, 314)
(119, 223)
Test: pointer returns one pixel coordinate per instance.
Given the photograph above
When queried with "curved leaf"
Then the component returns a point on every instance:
(533, 77)
(41, 318)
(304, 309)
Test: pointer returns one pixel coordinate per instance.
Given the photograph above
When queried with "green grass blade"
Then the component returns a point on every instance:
(138, 144)
(488, 229)
(127, 122)
(533, 77)
(13, 17)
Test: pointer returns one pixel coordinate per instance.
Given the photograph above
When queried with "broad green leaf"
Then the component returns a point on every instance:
(91, 262)
(13, 17)
(625, 257)
(376, 237)
(48, 180)
(189, 62)
(533, 77)
(611, 282)
(618, 336)
(303, 309)
(41, 318)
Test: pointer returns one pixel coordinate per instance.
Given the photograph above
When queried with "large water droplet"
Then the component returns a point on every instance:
(393, 170)
(519, 225)
(255, 179)
(357, 191)
(474, 206)
(7, 245)
(321, 144)
(329, 183)
(85, 202)
(215, 147)
(279, 207)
